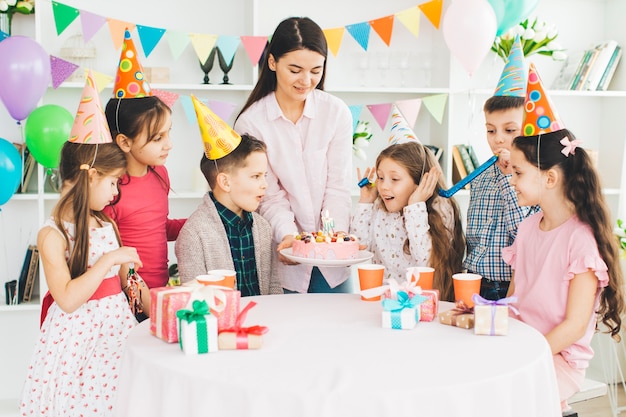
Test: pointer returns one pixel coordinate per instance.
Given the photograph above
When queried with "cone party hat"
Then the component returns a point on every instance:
(130, 81)
(219, 139)
(539, 113)
(401, 132)
(90, 124)
(512, 82)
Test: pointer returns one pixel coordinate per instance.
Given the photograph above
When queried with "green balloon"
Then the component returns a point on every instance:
(47, 128)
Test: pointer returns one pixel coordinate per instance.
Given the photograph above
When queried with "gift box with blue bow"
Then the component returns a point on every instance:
(402, 312)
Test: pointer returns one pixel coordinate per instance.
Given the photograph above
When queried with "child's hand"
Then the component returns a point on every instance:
(426, 187)
(124, 255)
(368, 192)
(504, 161)
(287, 242)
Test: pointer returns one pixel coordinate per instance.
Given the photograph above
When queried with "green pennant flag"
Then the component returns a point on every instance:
(436, 105)
(63, 16)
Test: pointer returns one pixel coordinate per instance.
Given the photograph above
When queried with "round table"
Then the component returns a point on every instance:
(327, 355)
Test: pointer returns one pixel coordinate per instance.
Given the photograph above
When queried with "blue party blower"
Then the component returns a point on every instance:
(468, 178)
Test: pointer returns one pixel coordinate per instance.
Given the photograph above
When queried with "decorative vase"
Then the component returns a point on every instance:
(208, 65)
(225, 66)
(5, 22)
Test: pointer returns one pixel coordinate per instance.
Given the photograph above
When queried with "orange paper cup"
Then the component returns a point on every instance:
(218, 277)
(370, 276)
(424, 276)
(465, 286)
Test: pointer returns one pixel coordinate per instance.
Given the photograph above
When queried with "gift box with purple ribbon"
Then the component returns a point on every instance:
(403, 312)
(491, 317)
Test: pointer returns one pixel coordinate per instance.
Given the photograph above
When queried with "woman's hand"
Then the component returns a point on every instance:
(284, 244)
(369, 191)
(425, 189)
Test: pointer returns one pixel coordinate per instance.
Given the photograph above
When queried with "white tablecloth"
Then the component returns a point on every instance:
(327, 355)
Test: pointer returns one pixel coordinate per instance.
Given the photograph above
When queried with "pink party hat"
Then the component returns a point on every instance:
(513, 79)
(539, 113)
(401, 132)
(130, 81)
(219, 139)
(90, 124)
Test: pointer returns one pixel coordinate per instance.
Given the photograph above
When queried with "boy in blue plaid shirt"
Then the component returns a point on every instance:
(493, 213)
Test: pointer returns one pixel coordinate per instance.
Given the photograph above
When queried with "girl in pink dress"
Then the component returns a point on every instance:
(565, 261)
(75, 368)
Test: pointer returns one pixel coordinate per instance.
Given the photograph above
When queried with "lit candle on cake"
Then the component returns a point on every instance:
(328, 224)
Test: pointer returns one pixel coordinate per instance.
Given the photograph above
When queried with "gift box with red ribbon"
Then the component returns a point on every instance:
(239, 337)
(460, 316)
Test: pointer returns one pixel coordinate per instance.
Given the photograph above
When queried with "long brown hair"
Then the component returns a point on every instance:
(448, 246)
(583, 189)
(292, 34)
(106, 158)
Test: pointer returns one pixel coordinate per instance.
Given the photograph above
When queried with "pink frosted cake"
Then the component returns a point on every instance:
(321, 246)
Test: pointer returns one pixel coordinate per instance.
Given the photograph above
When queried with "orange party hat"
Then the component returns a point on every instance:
(401, 132)
(539, 113)
(219, 139)
(130, 81)
(90, 124)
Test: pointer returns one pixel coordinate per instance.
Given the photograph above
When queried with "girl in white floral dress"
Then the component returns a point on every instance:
(74, 370)
(404, 221)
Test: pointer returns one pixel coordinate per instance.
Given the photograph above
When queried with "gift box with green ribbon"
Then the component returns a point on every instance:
(198, 329)
(402, 312)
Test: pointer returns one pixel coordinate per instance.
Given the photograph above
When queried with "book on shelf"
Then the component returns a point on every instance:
(458, 167)
(594, 69)
(21, 282)
(586, 69)
(31, 277)
(29, 167)
(473, 156)
(603, 85)
(567, 74)
(598, 66)
(437, 151)
(467, 159)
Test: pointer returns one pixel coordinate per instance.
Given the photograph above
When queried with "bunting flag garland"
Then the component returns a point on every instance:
(254, 46)
(432, 10)
(60, 70)
(118, 28)
(178, 42)
(410, 18)
(223, 109)
(167, 97)
(63, 16)
(380, 113)
(228, 46)
(383, 27)
(3, 35)
(149, 38)
(202, 44)
(91, 24)
(102, 80)
(361, 33)
(356, 114)
(409, 109)
(436, 105)
(333, 39)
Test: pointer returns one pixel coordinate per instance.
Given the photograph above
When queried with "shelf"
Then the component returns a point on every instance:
(30, 306)
(555, 93)
(171, 86)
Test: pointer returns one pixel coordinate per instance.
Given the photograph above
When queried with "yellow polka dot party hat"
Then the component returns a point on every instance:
(219, 139)
(539, 113)
(90, 124)
(130, 81)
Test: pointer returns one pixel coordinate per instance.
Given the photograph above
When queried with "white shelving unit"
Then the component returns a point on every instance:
(410, 68)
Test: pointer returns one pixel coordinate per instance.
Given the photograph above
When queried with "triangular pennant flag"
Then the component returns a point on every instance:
(202, 44)
(167, 97)
(254, 46)
(90, 124)
(63, 16)
(3, 35)
(102, 80)
(149, 38)
(190, 112)
(383, 26)
(60, 69)
(380, 113)
(410, 18)
(91, 24)
(361, 33)
(356, 113)
(436, 105)
(333, 39)
(178, 41)
(117, 28)
(223, 109)
(410, 109)
(432, 10)
(228, 45)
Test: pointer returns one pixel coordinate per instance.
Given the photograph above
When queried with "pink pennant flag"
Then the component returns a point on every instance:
(60, 70)
(254, 46)
(380, 113)
(410, 109)
(91, 24)
(167, 97)
(223, 109)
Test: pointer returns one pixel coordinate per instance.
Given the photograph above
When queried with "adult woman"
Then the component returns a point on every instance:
(308, 133)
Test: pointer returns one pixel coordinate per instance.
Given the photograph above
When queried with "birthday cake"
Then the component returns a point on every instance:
(324, 245)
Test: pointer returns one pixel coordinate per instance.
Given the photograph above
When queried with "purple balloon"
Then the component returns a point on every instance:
(25, 75)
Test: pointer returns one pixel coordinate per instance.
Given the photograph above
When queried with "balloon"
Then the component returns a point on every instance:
(469, 28)
(46, 130)
(10, 170)
(511, 12)
(25, 75)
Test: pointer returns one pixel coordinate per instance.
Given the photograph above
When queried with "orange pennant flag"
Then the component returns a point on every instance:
(333, 38)
(117, 28)
(383, 26)
(432, 10)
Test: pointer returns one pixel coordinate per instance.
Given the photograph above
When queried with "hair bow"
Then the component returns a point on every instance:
(569, 147)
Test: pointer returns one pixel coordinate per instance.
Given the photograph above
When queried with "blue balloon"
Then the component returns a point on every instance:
(10, 170)
(511, 12)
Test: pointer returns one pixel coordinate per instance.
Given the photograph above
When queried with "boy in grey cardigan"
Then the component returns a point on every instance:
(225, 232)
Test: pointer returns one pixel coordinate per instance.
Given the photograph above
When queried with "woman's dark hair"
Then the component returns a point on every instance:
(448, 247)
(582, 188)
(292, 34)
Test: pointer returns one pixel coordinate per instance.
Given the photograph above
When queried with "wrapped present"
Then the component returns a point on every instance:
(460, 316)
(164, 303)
(430, 307)
(198, 329)
(238, 337)
(227, 318)
(492, 316)
(403, 312)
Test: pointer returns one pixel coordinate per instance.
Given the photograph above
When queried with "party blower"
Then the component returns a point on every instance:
(468, 178)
